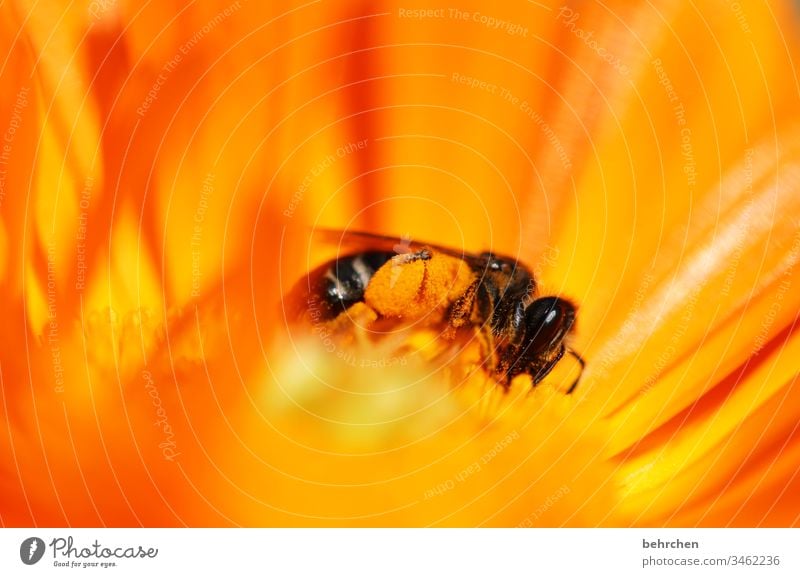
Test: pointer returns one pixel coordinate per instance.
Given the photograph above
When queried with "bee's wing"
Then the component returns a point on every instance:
(370, 241)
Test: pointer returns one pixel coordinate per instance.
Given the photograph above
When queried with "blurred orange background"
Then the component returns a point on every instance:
(163, 169)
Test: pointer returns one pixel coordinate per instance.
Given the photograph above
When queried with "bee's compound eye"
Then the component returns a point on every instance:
(548, 320)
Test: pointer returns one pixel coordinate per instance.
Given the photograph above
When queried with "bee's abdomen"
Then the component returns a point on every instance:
(342, 283)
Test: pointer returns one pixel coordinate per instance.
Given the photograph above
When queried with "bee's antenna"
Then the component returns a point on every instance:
(583, 366)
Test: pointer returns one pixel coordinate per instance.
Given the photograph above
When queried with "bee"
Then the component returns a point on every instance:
(521, 332)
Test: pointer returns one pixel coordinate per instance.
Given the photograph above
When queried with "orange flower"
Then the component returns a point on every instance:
(161, 168)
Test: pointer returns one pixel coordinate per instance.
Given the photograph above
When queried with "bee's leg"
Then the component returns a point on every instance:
(583, 366)
(461, 310)
(462, 313)
(407, 257)
(487, 344)
(541, 370)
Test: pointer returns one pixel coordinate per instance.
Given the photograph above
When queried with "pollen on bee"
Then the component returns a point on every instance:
(414, 289)
(360, 314)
